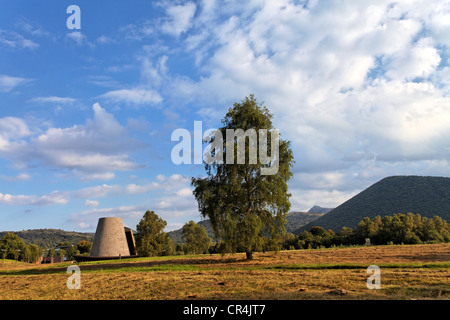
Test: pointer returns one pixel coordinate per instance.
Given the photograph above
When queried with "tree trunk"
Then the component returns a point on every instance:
(249, 255)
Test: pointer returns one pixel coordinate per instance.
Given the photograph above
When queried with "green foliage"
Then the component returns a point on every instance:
(13, 247)
(84, 247)
(242, 204)
(396, 229)
(177, 235)
(47, 238)
(196, 239)
(403, 228)
(151, 240)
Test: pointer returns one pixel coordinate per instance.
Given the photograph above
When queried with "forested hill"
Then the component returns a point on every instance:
(427, 196)
(47, 238)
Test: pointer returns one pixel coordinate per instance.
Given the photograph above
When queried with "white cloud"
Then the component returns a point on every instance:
(355, 87)
(91, 203)
(420, 60)
(13, 128)
(179, 18)
(97, 191)
(135, 96)
(55, 197)
(54, 99)
(105, 40)
(136, 32)
(32, 28)
(14, 40)
(19, 177)
(8, 83)
(169, 196)
(78, 38)
(121, 211)
(94, 150)
(83, 225)
(89, 218)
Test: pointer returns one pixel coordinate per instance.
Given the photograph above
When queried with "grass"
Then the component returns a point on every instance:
(407, 272)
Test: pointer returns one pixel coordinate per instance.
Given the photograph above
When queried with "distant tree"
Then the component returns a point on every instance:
(36, 253)
(368, 228)
(169, 247)
(196, 240)
(318, 231)
(306, 240)
(13, 245)
(151, 240)
(52, 254)
(26, 256)
(62, 254)
(70, 252)
(345, 236)
(84, 246)
(289, 241)
(242, 203)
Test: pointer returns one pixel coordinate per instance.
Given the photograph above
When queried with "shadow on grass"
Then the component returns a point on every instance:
(177, 264)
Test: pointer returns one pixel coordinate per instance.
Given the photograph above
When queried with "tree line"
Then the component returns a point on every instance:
(151, 240)
(399, 228)
(396, 229)
(13, 247)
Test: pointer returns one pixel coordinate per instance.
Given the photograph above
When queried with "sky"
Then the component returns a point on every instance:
(360, 88)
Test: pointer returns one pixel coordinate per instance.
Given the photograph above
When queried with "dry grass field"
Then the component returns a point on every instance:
(407, 272)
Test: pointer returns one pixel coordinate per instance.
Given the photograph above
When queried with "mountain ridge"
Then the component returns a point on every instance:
(425, 195)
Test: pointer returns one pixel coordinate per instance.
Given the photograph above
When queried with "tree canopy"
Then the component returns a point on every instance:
(151, 240)
(245, 205)
(196, 240)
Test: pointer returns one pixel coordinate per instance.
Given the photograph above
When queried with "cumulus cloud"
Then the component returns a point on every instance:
(361, 89)
(179, 18)
(94, 150)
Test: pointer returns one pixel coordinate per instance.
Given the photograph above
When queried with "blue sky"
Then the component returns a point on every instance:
(360, 88)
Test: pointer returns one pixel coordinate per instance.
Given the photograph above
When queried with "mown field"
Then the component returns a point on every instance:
(407, 272)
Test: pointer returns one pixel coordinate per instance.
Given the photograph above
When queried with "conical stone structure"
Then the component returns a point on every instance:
(110, 239)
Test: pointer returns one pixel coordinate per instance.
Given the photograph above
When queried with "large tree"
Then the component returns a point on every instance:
(247, 199)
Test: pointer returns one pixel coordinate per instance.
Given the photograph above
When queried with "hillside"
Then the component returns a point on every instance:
(294, 220)
(317, 209)
(47, 238)
(428, 196)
